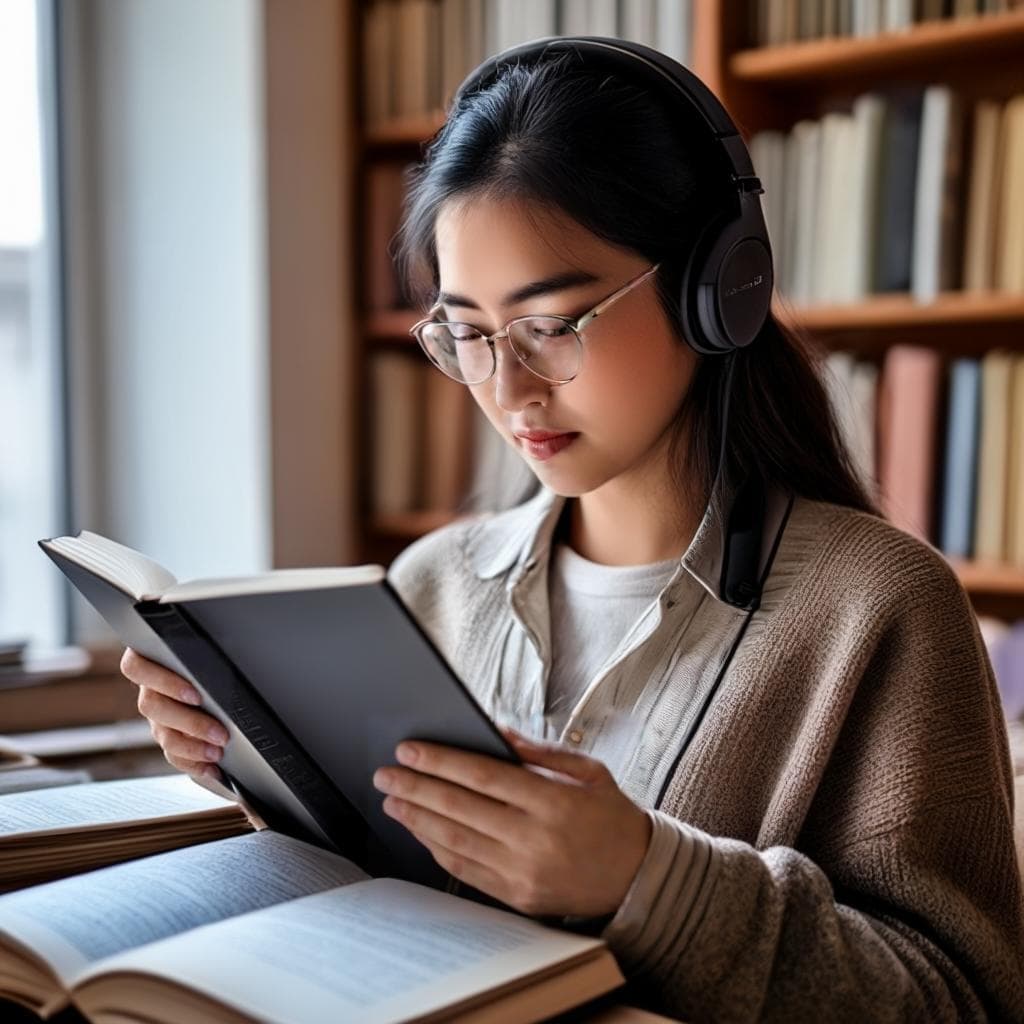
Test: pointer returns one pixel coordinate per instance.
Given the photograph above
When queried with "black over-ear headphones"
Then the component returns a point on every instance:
(727, 276)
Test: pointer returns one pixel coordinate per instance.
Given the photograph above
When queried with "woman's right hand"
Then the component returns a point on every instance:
(192, 740)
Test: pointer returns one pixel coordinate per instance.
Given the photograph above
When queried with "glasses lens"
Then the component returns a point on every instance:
(548, 346)
(458, 350)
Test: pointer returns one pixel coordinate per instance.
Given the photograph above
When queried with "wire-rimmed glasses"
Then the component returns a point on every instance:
(549, 346)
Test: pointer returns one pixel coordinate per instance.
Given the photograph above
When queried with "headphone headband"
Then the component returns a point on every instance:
(727, 278)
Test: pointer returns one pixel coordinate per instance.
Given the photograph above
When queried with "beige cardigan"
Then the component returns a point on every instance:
(835, 842)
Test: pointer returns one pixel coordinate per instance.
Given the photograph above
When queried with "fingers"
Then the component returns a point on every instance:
(454, 836)
(467, 870)
(144, 672)
(198, 768)
(186, 748)
(507, 783)
(412, 790)
(163, 711)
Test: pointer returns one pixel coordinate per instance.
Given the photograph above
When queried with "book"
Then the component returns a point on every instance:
(267, 927)
(316, 674)
(1009, 263)
(398, 382)
(908, 429)
(936, 266)
(982, 207)
(894, 232)
(993, 456)
(961, 472)
(1015, 480)
(46, 834)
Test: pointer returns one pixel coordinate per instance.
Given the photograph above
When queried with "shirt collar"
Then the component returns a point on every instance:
(522, 536)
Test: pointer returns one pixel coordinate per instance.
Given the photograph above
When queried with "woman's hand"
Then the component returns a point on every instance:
(191, 740)
(556, 837)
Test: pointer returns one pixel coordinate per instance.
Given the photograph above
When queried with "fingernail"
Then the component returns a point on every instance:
(190, 696)
(213, 773)
(407, 753)
(217, 734)
(381, 778)
(214, 753)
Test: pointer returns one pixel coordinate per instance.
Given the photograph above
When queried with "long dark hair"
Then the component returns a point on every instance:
(629, 170)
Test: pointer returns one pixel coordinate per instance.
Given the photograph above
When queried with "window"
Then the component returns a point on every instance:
(32, 474)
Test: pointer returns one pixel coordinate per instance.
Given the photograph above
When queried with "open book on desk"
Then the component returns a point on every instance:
(264, 927)
(317, 674)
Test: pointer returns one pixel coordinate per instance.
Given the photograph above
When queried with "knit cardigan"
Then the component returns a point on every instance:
(836, 840)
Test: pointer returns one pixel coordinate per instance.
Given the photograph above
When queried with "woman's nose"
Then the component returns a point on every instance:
(515, 386)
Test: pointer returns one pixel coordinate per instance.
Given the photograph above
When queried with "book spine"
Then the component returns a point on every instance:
(256, 720)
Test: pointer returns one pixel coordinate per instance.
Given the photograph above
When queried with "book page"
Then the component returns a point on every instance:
(75, 921)
(95, 804)
(127, 569)
(275, 581)
(376, 952)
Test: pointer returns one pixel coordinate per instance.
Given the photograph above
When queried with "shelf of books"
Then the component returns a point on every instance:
(890, 139)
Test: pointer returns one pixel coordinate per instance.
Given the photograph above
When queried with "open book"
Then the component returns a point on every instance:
(270, 928)
(317, 674)
(45, 834)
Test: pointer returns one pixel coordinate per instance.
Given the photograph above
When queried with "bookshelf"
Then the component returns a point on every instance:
(771, 87)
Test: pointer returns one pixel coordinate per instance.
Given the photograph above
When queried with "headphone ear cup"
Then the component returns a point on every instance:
(727, 285)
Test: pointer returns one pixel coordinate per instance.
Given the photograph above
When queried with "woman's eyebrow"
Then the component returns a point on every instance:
(555, 283)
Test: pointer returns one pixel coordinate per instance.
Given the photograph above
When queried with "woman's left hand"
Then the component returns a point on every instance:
(557, 837)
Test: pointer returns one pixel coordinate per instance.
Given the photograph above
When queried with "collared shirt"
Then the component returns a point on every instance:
(635, 715)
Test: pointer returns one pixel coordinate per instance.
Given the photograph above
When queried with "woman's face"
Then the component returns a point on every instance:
(613, 418)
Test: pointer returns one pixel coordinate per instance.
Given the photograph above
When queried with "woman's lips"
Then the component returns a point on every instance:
(542, 445)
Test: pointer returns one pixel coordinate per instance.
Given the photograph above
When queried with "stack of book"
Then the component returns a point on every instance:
(416, 52)
(777, 22)
(911, 191)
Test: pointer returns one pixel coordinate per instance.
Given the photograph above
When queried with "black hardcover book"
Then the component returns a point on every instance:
(894, 253)
(317, 674)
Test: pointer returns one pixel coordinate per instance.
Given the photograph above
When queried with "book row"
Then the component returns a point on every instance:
(431, 447)
(416, 52)
(777, 22)
(913, 191)
(942, 444)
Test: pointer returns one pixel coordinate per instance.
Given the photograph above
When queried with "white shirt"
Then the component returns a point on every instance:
(594, 607)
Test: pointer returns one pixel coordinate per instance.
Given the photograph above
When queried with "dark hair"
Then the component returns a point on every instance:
(639, 175)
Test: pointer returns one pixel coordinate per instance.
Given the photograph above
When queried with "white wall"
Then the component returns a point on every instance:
(169, 309)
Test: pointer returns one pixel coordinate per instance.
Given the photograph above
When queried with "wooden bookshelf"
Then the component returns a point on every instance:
(772, 87)
(929, 46)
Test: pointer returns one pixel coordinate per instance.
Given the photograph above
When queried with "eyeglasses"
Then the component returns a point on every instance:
(550, 347)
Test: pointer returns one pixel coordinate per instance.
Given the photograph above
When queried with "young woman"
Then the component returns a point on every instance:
(795, 805)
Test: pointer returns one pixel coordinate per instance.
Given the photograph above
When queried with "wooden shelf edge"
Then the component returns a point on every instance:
(390, 325)
(886, 311)
(403, 131)
(410, 525)
(990, 578)
(837, 57)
